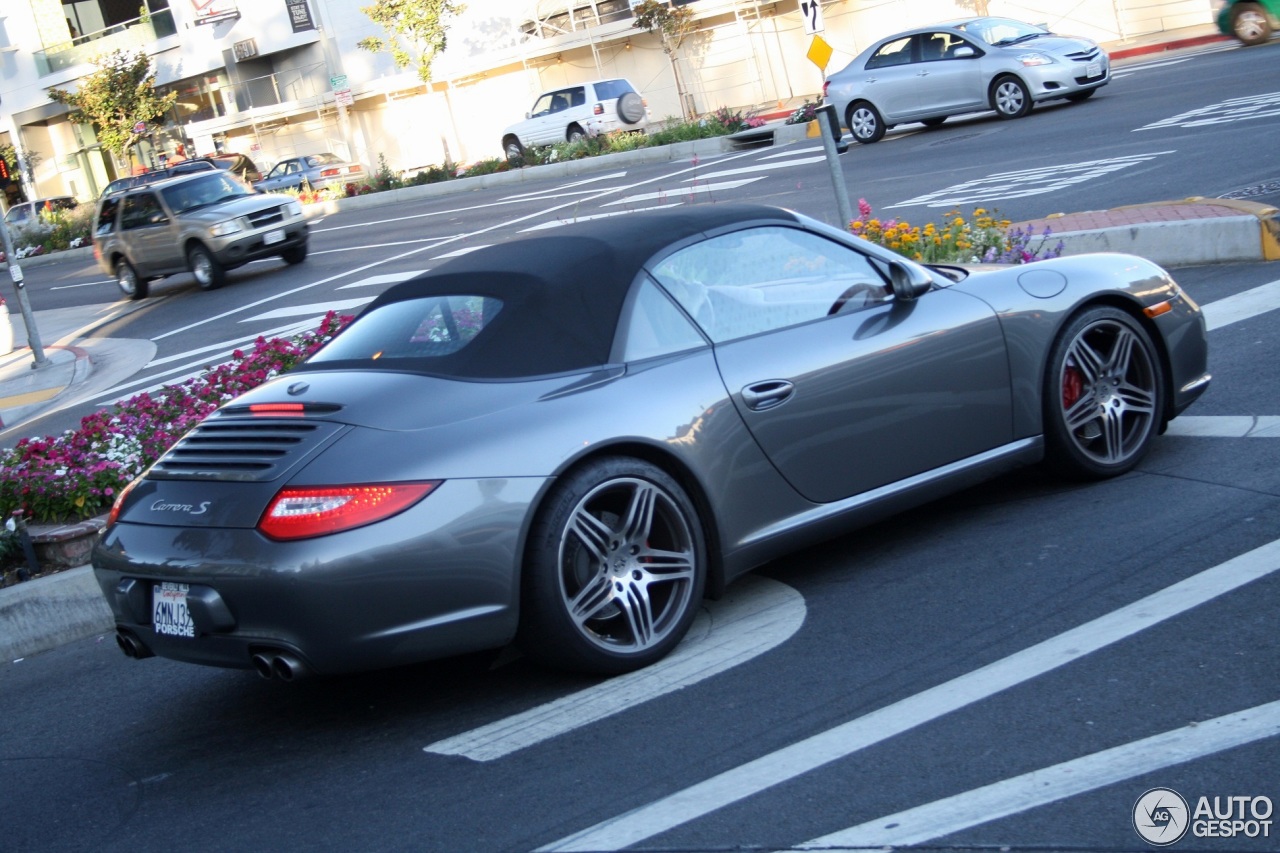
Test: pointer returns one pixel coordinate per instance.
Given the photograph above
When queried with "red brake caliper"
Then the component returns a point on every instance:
(1072, 387)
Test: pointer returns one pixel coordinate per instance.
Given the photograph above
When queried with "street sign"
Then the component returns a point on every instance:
(819, 53)
(338, 82)
(344, 98)
(140, 127)
(811, 11)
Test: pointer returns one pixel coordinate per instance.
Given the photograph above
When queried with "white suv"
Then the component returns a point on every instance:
(572, 112)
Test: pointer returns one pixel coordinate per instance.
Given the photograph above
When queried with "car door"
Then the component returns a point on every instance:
(285, 175)
(543, 125)
(950, 77)
(845, 387)
(148, 235)
(891, 80)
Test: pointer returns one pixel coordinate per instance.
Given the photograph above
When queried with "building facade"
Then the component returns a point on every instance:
(276, 78)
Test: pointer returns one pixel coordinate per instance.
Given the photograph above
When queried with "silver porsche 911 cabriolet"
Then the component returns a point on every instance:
(567, 440)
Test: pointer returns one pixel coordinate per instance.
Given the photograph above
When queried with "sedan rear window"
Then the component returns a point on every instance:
(429, 327)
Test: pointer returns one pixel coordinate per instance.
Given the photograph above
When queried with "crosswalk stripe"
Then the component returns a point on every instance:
(320, 308)
(755, 615)
(843, 740)
(681, 192)
(759, 167)
(1242, 306)
(389, 278)
(562, 222)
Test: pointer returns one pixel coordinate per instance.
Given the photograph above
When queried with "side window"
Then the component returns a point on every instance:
(579, 96)
(140, 210)
(107, 216)
(896, 52)
(542, 106)
(654, 326)
(762, 279)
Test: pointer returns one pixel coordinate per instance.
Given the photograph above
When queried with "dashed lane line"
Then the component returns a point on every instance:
(834, 744)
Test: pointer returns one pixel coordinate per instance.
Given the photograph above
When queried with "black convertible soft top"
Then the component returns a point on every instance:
(561, 292)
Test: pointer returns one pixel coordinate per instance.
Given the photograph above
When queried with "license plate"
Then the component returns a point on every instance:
(169, 614)
(1093, 69)
(275, 236)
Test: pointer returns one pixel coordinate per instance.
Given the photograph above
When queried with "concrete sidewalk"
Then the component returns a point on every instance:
(43, 613)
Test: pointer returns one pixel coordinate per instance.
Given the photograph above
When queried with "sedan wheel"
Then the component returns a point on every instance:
(1010, 98)
(205, 267)
(514, 150)
(616, 569)
(1250, 24)
(128, 281)
(575, 133)
(1104, 395)
(865, 123)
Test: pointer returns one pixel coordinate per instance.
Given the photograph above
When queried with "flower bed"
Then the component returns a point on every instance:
(982, 239)
(78, 474)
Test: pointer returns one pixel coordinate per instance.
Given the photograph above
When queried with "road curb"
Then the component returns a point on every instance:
(44, 613)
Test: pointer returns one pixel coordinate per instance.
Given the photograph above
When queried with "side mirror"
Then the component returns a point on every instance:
(909, 280)
(964, 52)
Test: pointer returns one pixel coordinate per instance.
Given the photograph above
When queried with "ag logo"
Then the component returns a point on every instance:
(1161, 816)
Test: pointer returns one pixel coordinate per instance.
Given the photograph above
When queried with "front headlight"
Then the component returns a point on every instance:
(222, 229)
(1032, 59)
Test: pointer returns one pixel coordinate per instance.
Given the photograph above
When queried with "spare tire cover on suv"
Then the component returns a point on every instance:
(630, 108)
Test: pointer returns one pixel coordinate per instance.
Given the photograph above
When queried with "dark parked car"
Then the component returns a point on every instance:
(142, 179)
(237, 164)
(931, 73)
(569, 440)
(205, 223)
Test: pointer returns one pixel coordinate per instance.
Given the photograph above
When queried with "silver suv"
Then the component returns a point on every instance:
(572, 112)
(206, 223)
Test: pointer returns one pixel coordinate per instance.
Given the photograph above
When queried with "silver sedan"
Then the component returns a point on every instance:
(931, 73)
(313, 171)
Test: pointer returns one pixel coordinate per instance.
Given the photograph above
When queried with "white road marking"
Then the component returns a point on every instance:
(458, 252)
(755, 615)
(843, 740)
(560, 188)
(314, 309)
(681, 192)
(793, 152)
(759, 167)
(1242, 306)
(558, 223)
(1225, 112)
(389, 278)
(1225, 426)
(1050, 784)
(1027, 182)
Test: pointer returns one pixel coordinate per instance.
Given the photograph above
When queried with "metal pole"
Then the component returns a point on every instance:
(20, 290)
(833, 147)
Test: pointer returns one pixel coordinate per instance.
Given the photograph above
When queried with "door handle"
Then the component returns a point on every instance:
(759, 396)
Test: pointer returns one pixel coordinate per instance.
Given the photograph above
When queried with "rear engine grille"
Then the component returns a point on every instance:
(249, 449)
(263, 218)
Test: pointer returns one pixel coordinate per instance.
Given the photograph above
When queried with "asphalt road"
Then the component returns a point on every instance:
(1063, 648)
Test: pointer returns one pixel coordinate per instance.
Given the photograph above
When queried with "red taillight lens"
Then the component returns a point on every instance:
(330, 173)
(598, 109)
(119, 501)
(305, 511)
(277, 409)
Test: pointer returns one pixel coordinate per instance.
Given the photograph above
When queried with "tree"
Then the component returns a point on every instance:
(672, 25)
(115, 98)
(421, 23)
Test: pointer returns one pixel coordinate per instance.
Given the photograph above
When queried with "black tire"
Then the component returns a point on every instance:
(1077, 97)
(1010, 97)
(615, 569)
(1250, 24)
(864, 122)
(512, 148)
(130, 283)
(933, 122)
(209, 274)
(295, 254)
(1103, 395)
(574, 133)
(630, 108)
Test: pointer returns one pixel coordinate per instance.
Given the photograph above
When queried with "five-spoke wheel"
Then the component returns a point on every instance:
(1010, 97)
(1104, 395)
(617, 565)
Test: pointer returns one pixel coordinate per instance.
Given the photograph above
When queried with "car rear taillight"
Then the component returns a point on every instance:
(301, 512)
(598, 109)
(330, 173)
(119, 501)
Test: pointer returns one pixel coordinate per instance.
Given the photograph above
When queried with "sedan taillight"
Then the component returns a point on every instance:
(330, 173)
(301, 512)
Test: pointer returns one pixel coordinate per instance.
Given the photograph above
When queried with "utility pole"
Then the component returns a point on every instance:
(24, 304)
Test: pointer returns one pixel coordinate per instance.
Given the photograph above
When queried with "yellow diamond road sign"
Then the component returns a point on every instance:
(819, 52)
